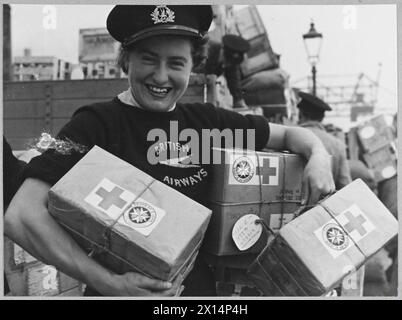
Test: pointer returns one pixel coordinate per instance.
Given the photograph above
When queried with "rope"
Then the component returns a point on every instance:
(260, 184)
(107, 233)
(302, 209)
(283, 190)
(332, 214)
(265, 227)
(95, 245)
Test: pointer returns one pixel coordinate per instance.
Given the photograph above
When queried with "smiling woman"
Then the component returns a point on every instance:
(160, 46)
(159, 71)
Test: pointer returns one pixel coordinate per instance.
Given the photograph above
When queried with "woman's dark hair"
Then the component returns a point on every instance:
(199, 53)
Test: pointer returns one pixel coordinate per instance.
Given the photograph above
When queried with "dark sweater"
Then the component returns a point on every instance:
(123, 129)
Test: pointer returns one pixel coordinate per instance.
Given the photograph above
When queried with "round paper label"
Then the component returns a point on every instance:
(243, 169)
(367, 132)
(388, 172)
(140, 215)
(246, 231)
(335, 237)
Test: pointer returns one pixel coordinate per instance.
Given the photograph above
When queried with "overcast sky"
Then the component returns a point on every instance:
(356, 38)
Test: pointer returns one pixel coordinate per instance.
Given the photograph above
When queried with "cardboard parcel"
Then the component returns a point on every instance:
(382, 162)
(263, 184)
(374, 134)
(314, 252)
(135, 222)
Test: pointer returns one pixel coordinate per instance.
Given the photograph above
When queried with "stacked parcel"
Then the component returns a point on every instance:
(314, 252)
(128, 217)
(265, 184)
(378, 147)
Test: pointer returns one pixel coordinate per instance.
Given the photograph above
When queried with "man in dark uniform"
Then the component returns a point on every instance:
(225, 58)
(311, 114)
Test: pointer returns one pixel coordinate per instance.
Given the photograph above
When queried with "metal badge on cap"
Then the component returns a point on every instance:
(162, 14)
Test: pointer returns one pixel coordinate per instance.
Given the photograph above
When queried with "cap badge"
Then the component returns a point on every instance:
(162, 14)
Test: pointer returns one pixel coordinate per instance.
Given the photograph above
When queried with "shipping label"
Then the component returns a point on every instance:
(250, 170)
(350, 227)
(142, 216)
(243, 170)
(125, 206)
(388, 172)
(246, 231)
(367, 132)
(333, 238)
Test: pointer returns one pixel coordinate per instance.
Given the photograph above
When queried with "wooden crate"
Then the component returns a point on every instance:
(248, 22)
(260, 56)
(27, 276)
(33, 107)
(374, 134)
(382, 162)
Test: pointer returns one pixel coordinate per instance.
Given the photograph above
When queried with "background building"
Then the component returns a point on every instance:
(30, 67)
(97, 54)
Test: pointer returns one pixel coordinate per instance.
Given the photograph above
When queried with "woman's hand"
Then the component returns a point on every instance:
(135, 284)
(317, 178)
(28, 223)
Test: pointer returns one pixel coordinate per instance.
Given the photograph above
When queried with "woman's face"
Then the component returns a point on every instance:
(159, 70)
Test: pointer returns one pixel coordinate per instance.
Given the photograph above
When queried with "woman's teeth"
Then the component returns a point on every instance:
(157, 89)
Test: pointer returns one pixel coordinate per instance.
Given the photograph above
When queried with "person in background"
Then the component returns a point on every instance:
(225, 58)
(388, 194)
(311, 114)
(376, 280)
(358, 170)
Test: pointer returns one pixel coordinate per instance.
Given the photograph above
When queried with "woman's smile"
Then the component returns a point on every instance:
(158, 91)
(159, 70)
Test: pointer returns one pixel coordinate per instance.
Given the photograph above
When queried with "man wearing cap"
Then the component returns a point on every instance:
(160, 47)
(311, 114)
(225, 58)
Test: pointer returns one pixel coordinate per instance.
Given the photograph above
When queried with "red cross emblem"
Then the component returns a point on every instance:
(267, 170)
(110, 198)
(355, 223)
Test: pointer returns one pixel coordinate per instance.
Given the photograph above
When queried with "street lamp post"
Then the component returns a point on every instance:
(312, 43)
(314, 77)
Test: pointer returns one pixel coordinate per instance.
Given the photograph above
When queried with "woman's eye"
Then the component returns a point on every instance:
(148, 59)
(177, 64)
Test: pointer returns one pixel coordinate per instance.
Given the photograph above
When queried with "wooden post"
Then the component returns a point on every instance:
(7, 65)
